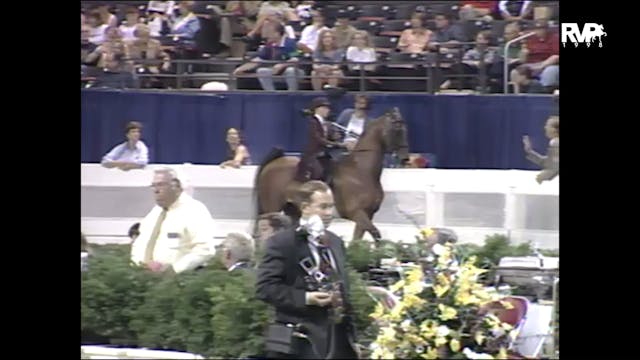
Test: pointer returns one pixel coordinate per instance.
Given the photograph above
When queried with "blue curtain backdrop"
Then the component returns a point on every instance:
(464, 132)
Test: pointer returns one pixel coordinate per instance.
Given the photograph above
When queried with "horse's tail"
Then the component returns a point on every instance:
(274, 153)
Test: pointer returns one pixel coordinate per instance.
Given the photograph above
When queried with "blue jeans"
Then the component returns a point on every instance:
(291, 74)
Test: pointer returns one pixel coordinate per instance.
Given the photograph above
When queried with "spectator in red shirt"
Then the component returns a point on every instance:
(477, 10)
(541, 54)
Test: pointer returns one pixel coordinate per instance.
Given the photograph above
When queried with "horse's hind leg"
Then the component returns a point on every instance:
(363, 223)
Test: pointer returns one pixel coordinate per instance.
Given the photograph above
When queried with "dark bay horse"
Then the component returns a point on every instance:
(356, 184)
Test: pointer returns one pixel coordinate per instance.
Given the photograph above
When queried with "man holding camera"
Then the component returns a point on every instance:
(303, 275)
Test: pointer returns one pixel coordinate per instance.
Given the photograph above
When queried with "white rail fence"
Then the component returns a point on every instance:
(474, 203)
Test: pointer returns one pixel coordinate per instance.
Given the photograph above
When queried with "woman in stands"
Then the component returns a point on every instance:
(415, 39)
(549, 163)
(142, 48)
(237, 153)
(361, 51)
(326, 61)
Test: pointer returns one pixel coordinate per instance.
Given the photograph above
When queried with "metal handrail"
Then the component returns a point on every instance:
(506, 59)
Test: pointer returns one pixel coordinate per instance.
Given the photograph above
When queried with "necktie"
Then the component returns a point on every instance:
(324, 253)
(148, 255)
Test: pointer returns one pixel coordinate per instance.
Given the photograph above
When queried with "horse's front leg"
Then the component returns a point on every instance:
(363, 223)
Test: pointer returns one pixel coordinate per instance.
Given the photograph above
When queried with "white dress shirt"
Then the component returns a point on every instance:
(309, 35)
(122, 152)
(186, 235)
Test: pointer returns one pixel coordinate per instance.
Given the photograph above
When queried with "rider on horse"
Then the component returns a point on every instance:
(315, 163)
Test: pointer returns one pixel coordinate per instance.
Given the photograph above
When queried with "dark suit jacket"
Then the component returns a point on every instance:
(317, 140)
(280, 283)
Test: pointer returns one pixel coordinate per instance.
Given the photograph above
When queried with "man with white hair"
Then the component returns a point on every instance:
(176, 234)
(237, 251)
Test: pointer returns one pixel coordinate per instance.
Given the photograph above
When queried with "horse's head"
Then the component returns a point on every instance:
(395, 134)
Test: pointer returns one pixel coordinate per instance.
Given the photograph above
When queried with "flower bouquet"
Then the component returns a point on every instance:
(443, 313)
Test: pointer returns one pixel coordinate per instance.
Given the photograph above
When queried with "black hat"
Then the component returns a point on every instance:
(319, 101)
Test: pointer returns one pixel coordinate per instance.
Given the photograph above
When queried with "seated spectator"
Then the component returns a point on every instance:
(187, 24)
(327, 59)
(111, 58)
(177, 234)
(515, 10)
(277, 18)
(132, 18)
(247, 11)
(343, 31)
(415, 40)
(524, 83)
(355, 120)
(143, 47)
(237, 153)
(447, 35)
(361, 51)
(479, 57)
(304, 9)
(269, 8)
(134, 232)
(550, 163)
(105, 15)
(309, 35)
(237, 252)
(477, 10)
(159, 13)
(97, 28)
(541, 54)
(511, 31)
(131, 154)
(269, 224)
(279, 47)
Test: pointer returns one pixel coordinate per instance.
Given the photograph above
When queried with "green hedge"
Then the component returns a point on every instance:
(210, 311)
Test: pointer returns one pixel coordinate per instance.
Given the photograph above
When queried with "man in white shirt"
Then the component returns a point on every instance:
(131, 154)
(237, 251)
(309, 35)
(176, 235)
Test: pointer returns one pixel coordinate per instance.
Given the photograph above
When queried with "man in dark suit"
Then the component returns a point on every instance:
(315, 163)
(287, 279)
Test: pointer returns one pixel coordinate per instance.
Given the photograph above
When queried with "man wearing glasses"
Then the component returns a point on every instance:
(177, 234)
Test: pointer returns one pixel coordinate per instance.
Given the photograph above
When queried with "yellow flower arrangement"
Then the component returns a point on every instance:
(438, 313)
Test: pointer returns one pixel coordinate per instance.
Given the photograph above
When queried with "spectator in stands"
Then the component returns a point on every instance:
(132, 18)
(131, 154)
(550, 163)
(106, 16)
(326, 61)
(187, 24)
(97, 28)
(111, 58)
(279, 47)
(269, 8)
(134, 232)
(237, 252)
(343, 31)
(482, 56)
(524, 83)
(247, 11)
(511, 31)
(177, 234)
(237, 153)
(355, 120)
(447, 35)
(415, 40)
(515, 10)
(143, 47)
(477, 10)
(304, 9)
(309, 35)
(361, 51)
(269, 224)
(159, 13)
(277, 18)
(541, 54)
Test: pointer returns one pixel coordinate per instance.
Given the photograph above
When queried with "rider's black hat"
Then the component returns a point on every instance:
(319, 101)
